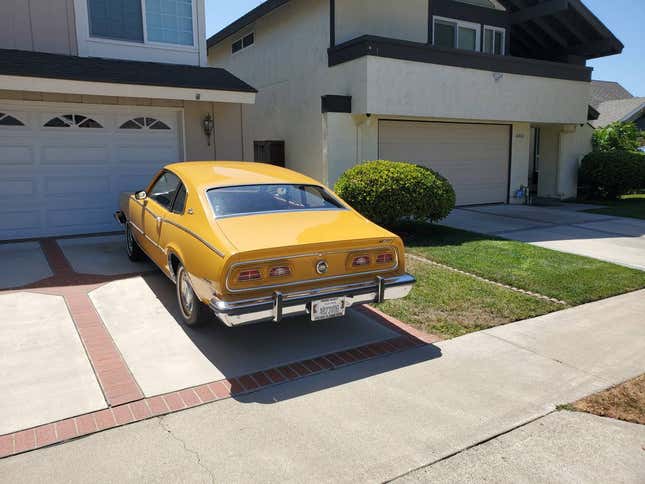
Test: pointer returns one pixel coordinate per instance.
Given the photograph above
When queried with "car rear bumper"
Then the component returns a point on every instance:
(281, 305)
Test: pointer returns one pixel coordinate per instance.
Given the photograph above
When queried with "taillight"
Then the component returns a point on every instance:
(250, 275)
(385, 259)
(361, 260)
(280, 271)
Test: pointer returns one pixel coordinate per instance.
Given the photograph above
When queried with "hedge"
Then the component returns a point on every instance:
(387, 192)
(609, 175)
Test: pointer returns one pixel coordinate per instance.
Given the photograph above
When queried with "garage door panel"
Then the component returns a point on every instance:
(60, 181)
(76, 185)
(20, 220)
(147, 154)
(473, 157)
(15, 155)
(79, 155)
(17, 187)
(80, 217)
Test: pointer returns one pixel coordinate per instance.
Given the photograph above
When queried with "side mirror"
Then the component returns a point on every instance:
(142, 195)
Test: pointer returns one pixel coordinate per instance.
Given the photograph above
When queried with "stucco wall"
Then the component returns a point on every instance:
(226, 141)
(288, 66)
(38, 25)
(418, 89)
(383, 18)
(574, 145)
(549, 158)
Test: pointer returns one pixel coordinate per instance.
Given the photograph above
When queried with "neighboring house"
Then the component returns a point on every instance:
(491, 93)
(614, 103)
(95, 96)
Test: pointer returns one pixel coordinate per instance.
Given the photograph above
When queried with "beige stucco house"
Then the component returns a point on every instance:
(95, 96)
(494, 94)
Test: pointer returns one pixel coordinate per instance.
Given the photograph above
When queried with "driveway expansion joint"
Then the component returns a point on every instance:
(488, 281)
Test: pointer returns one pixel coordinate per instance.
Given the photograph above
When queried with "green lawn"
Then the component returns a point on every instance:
(567, 277)
(449, 304)
(632, 206)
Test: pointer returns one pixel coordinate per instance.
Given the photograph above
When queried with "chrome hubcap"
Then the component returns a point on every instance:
(186, 293)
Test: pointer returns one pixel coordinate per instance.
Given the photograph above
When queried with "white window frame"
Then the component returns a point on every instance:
(459, 23)
(237, 39)
(494, 29)
(82, 8)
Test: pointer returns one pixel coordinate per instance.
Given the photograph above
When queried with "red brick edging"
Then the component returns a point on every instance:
(71, 428)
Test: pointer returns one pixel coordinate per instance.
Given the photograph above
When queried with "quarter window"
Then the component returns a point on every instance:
(165, 189)
(180, 201)
(7, 120)
(494, 40)
(145, 123)
(72, 120)
(166, 21)
(247, 41)
(455, 34)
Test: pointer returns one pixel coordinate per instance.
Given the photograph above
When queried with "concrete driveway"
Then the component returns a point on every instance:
(90, 340)
(565, 228)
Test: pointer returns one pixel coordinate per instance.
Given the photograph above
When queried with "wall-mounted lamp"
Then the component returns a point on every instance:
(208, 125)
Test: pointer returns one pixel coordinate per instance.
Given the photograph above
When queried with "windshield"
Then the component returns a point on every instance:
(256, 199)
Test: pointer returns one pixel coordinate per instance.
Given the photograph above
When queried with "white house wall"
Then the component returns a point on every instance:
(409, 88)
(575, 143)
(382, 18)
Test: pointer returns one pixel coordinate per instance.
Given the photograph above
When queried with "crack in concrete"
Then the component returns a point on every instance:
(194, 453)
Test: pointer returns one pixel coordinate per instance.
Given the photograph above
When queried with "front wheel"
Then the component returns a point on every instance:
(193, 311)
(131, 246)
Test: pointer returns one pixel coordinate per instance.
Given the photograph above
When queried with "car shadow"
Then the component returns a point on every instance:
(245, 350)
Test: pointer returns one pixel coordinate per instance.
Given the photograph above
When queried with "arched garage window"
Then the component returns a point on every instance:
(145, 123)
(71, 120)
(7, 120)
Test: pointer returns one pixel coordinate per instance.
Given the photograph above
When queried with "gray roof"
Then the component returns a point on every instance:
(619, 110)
(91, 69)
(602, 91)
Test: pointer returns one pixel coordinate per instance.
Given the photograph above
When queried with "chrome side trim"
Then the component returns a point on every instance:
(179, 226)
(309, 281)
(194, 235)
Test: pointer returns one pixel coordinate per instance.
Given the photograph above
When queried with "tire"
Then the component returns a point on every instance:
(193, 311)
(135, 253)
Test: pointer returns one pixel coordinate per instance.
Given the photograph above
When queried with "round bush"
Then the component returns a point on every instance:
(387, 192)
(608, 175)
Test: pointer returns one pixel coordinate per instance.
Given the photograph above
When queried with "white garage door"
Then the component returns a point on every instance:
(63, 166)
(473, 157)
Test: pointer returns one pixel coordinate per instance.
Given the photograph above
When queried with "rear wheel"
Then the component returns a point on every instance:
(193, 311)
(131, 246)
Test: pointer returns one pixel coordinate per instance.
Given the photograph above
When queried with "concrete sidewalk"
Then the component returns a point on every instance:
(372, 421)
(563, 447)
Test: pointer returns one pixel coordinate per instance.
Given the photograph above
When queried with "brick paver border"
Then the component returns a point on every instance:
(126, 402)
(75, 427)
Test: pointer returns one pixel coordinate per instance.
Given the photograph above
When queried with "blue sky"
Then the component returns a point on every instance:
(623, 17)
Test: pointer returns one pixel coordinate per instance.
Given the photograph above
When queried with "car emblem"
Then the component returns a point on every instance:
(322, 267)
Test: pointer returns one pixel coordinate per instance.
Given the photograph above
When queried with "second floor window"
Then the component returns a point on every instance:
(456, 34)
(494, 40)
(167, 21)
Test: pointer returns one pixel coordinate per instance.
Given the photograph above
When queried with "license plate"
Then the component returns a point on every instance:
(328, 308)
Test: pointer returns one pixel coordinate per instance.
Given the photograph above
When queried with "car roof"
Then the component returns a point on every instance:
(208, 174)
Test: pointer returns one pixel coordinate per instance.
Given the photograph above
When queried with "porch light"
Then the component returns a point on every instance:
(208, 125)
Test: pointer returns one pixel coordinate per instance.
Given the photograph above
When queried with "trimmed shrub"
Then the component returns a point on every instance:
(387, 192)
(609, 175)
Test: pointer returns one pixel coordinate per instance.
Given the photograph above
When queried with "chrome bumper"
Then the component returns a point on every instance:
(281, 305)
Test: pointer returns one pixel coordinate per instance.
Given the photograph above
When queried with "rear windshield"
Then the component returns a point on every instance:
(256, 199)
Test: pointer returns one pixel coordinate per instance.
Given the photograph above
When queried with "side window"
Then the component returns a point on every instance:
(164, 190)
(180, 201)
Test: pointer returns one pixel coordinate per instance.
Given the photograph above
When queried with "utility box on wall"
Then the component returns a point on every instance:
(271, 152)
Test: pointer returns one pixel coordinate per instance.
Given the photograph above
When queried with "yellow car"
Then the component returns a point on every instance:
(253, 242)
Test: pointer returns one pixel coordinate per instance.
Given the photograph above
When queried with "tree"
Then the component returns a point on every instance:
(617, 137)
